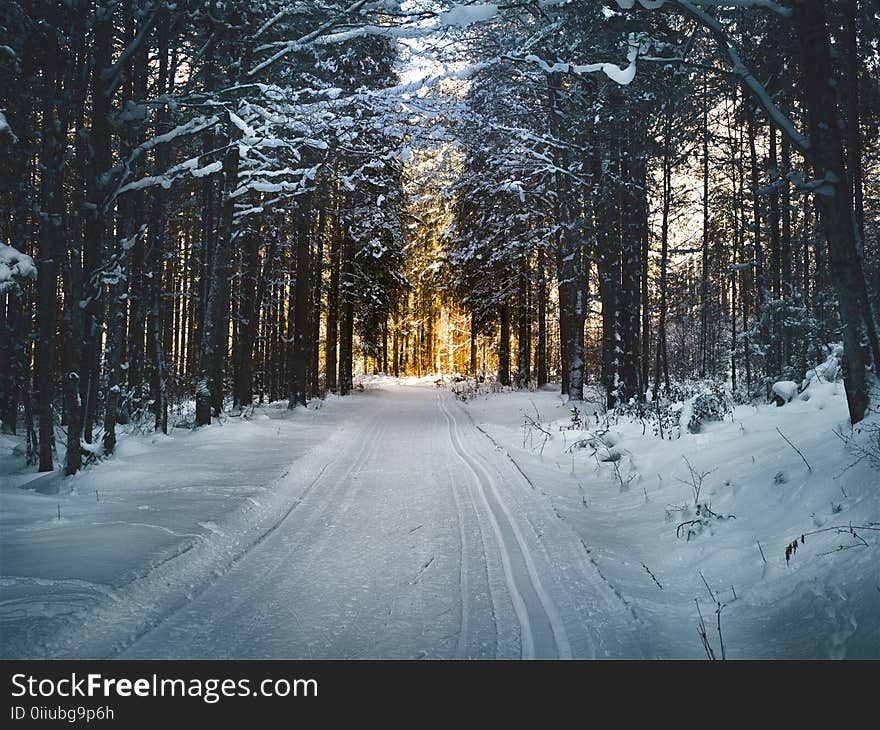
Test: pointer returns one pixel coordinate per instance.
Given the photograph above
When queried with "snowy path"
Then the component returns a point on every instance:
(401, 523)
(404, 545)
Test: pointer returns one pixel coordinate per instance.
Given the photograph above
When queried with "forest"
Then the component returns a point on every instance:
(235, 202)
(439, 329)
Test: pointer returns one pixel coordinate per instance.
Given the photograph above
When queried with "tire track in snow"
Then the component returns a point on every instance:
(542, 631)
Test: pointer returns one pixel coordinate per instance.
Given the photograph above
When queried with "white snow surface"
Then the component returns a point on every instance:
(399, 522)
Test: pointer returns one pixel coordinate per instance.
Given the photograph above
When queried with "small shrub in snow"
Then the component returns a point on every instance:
(661, 414)
(855, 540)
(704, 518)
(706, 400)
(466, 389)
(863, 441)
(696, 479)
(531, 428)
(707, 407)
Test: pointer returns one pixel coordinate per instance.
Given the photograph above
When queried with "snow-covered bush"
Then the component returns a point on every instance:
(661, 415)
(784, 391)
(828, 371)
(688, 404)
(465, 388)
(710, 406)
(15, 266)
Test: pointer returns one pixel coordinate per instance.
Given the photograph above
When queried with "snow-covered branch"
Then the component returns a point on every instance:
(774, 7)
(302, 42)
(741, 71)
(618, 74)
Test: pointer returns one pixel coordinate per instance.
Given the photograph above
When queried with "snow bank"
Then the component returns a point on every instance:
(651, 543)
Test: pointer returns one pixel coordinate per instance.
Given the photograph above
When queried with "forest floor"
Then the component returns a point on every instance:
(401, 522)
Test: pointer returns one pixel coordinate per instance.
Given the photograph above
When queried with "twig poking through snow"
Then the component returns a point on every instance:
(701, 630)
(696, 483)
(809, 468)
(718, 607)
(653, 577)
(849, 529)
(711, 595)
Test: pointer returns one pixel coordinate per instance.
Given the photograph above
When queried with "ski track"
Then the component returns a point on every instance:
(534, 607)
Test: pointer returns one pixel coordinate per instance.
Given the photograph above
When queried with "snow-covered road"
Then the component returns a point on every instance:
(407, 543)
(400, 523)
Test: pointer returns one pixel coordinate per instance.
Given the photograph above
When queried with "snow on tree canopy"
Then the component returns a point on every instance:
(14, 266)
(468, 14)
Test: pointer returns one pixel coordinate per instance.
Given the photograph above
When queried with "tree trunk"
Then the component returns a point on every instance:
(608, 274)
(661, 359)
(541, 345)
(853, 119)
(785, 257)
(315, 314)
(473, 351)
(72, 340)
(302, 303)
(250, 301)
(774, 360)
(346, 319)
(835, 205)
(524, 333)
(504, 344)
(155, 248)
(52, 243)
(633, 221)
(96, 224)
(330, 366)
(209, 388)
(704, 273)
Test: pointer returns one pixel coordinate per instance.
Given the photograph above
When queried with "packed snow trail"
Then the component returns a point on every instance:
(402, 547)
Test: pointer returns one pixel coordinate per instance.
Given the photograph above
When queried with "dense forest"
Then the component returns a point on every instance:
(223, 202)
